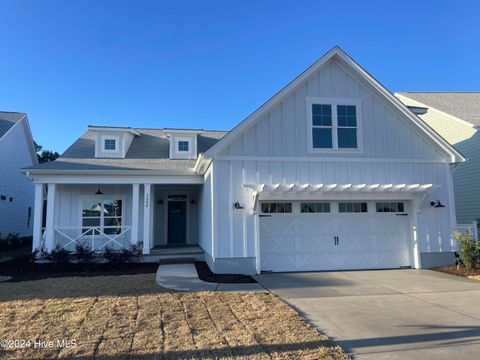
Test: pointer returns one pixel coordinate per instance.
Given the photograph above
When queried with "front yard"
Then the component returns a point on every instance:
(129, 316)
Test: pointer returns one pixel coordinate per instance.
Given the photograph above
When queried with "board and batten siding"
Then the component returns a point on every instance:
(283, 130)
(465, 138)
(274, 150)
(205, 224)
(14, 155)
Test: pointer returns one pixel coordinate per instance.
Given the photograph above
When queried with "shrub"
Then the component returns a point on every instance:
(13, 240)
(84, 253)
(120, 256)
(59, 256)
(468, 249)
(28, 258)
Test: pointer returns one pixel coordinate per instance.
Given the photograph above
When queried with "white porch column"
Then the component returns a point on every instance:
(37, 217)
(135, 210)
(49, 228)
(146, 218)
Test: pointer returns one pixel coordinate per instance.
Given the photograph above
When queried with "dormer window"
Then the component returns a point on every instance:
(183, 143)
(183, 146)
(109, 143)
(334, 125)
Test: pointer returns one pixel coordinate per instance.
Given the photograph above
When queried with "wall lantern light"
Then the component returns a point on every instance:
(437, 204)
(160, 202)
(99, 192)
(236, 205)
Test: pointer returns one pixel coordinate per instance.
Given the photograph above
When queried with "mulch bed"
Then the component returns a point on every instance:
(24, 271)
(205, 274)
(461, 271)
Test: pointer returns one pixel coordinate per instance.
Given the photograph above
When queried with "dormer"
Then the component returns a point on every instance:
(183, 143)
(112, 142)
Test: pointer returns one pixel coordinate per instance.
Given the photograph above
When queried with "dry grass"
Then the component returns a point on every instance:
(120, 317)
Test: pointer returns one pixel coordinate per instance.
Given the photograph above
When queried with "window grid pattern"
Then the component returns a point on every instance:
(322, 126)
(110, 144)
(277, 208)
(352, 207)
(347, 126)
(395, 207)
(183, 145)
(315, 207)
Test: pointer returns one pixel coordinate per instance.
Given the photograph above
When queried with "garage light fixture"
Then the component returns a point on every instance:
(237, 206)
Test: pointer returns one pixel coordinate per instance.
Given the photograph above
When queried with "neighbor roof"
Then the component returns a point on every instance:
(463, 105)
(7, 120)
(149, 151)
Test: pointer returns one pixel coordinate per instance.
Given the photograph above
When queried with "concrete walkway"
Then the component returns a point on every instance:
(388, 314)
(184, 277)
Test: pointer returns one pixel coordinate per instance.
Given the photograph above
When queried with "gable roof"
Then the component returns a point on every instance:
(8, 119)
(149, 151)
(289, 88)
(463, 105)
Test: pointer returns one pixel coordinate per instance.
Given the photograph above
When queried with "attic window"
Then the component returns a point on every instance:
(183, 146)
(334, 124)
(110, 144)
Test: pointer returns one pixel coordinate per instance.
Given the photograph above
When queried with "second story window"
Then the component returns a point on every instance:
(334, 124)
(183, 146)
(110, 144)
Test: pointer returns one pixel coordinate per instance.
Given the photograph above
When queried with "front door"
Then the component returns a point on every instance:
(177, 222)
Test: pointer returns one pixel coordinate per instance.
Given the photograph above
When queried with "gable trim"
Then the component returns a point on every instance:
(243, 126)
(23, 121)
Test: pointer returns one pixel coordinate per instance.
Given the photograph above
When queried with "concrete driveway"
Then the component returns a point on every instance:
(388, 314)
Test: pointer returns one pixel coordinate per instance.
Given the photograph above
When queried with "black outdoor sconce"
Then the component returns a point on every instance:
(193, 202)
(99, 192)
(437, 204)
(160, 202)
(237, 206)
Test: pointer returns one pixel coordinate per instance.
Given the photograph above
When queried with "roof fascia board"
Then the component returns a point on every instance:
(115, 179)
(23, 121)
(113, 129)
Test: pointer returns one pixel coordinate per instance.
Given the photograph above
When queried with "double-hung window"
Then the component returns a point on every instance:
(334, 124)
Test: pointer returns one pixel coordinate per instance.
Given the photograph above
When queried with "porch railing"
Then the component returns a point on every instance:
(67, 237)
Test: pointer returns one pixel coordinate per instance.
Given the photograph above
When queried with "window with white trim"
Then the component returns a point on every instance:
(352, 207)
(334, 124)
(277, 208)
(104, 215)
(110, 144)
(316, 207)
(395, 207)
(183, 146)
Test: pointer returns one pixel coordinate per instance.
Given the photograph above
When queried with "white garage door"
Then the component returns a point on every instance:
(304, 236)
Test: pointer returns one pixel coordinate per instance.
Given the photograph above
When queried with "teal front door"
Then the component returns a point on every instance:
(177, 222)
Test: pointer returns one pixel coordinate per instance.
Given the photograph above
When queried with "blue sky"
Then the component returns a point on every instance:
(208, 64)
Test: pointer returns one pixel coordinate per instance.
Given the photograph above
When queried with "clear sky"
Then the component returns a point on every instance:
(208, 64)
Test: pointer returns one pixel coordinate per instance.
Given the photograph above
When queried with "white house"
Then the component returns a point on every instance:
(16, 191)
(456, 117)
(333, 172)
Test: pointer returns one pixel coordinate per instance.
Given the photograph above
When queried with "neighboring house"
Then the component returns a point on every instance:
(16, 192)
(456, 117)
(333, 172)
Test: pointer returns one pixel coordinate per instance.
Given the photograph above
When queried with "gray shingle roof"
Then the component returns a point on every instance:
(7, 120)
(463, 105)
(150, 152)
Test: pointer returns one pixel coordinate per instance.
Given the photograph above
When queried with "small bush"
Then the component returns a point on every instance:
(468, 249)
(13, 240)
(28, 258)
(84, 253)
(120, 256)
(59, 256)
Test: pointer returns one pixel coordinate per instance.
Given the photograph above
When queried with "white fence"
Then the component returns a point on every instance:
(67, 237)
(471, 228)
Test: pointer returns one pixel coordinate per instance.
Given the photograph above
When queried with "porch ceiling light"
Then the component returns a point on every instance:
(99, 192)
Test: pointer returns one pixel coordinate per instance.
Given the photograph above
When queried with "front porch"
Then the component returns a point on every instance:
(117, 216)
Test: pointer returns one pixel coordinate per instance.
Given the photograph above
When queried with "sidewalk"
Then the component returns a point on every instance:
(184, 277)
